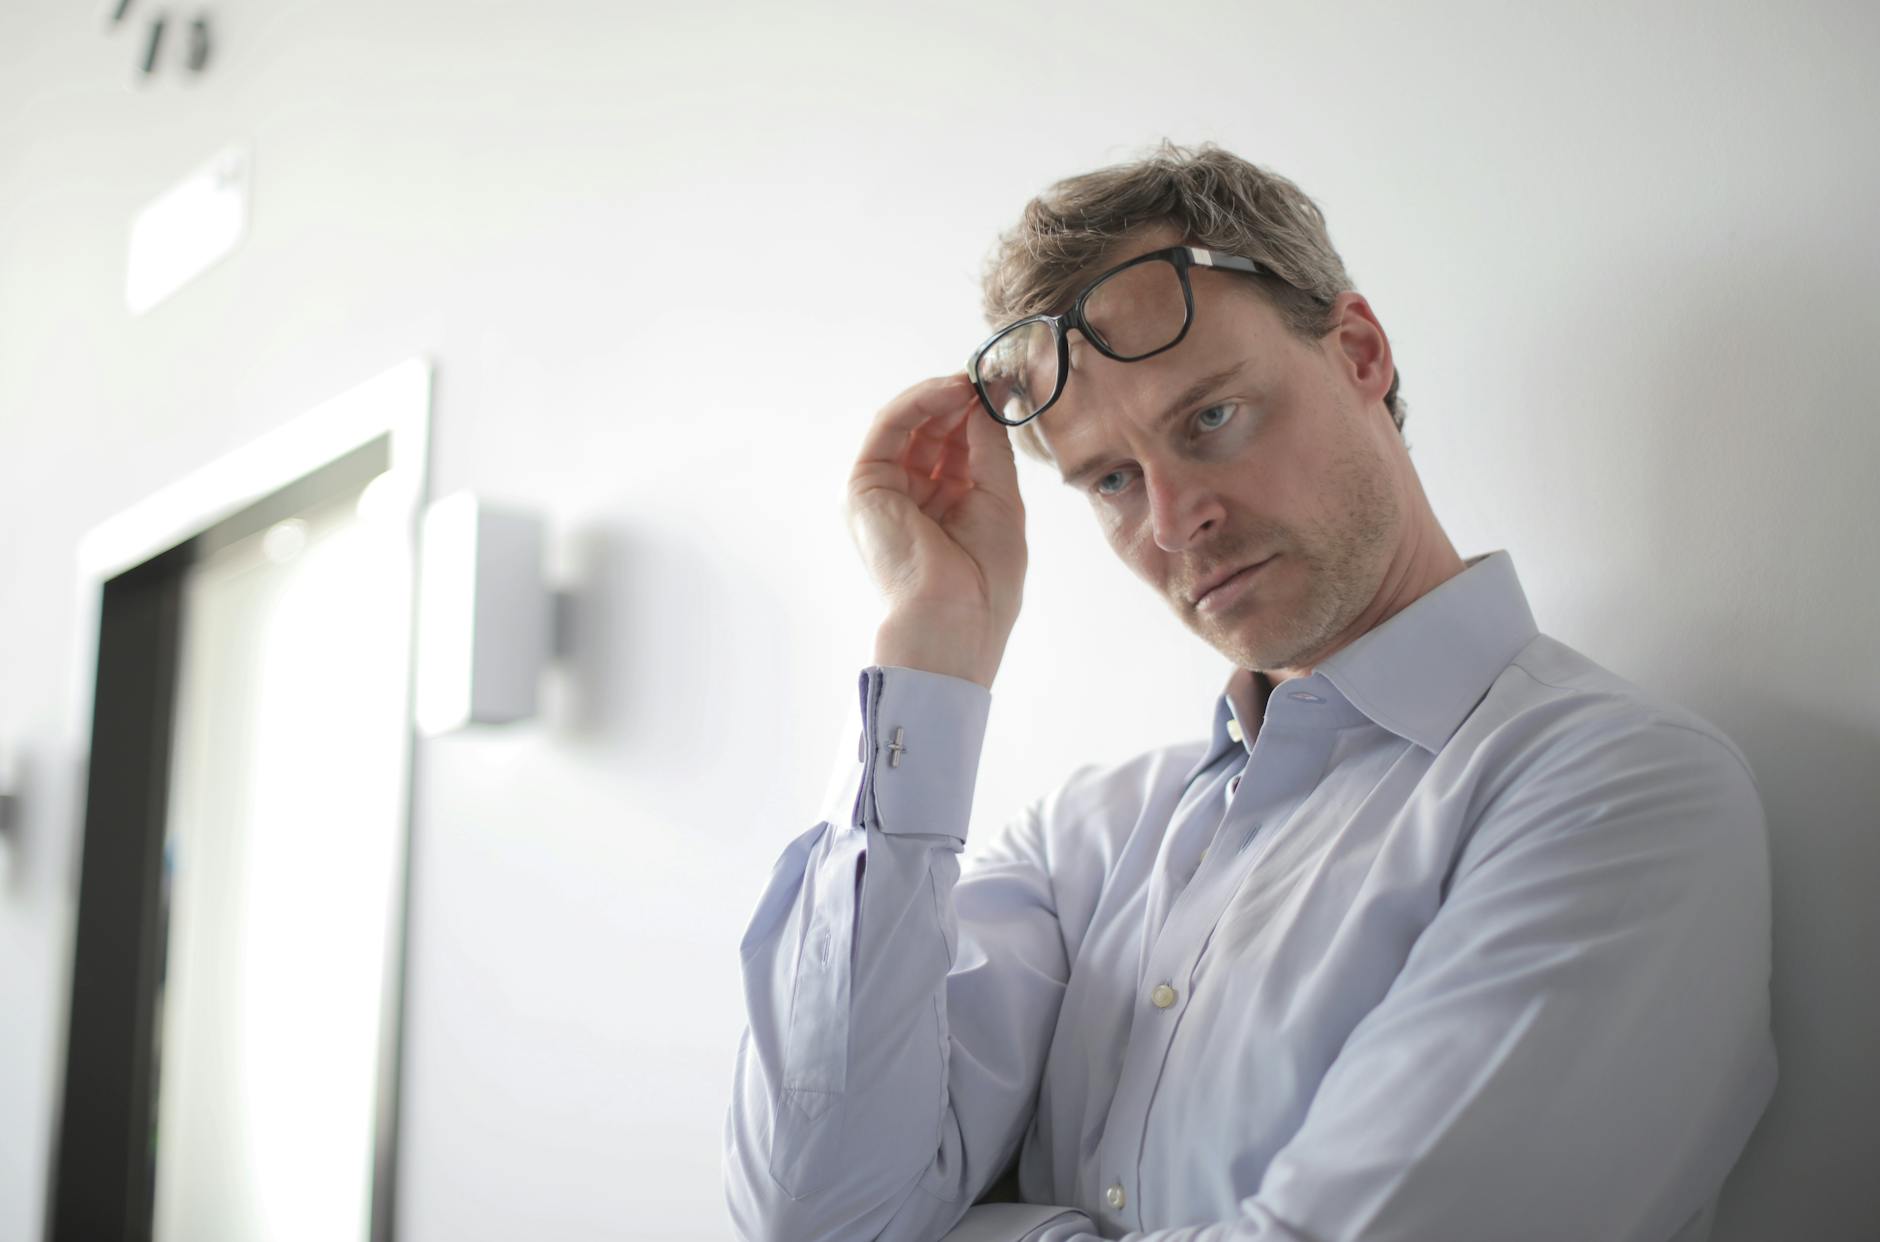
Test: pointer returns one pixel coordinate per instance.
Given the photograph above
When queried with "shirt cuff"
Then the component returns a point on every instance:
(910, 753)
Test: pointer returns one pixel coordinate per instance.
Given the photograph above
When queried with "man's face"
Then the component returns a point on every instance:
(1276, 448)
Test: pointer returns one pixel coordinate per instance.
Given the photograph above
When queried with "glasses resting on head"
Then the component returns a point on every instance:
(1133, 311)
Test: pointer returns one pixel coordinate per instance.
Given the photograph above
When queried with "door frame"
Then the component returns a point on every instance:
(130, 573)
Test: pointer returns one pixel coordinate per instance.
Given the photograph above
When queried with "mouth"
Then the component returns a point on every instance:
(1222, 591)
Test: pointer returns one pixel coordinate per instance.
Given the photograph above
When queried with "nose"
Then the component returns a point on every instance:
(1183, 509)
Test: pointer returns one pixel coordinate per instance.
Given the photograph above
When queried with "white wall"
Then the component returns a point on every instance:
(669, 262)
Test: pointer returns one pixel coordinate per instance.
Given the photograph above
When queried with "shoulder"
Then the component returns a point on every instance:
(1560, 743)
(1553, 705)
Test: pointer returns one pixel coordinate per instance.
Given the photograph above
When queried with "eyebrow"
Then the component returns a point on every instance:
(1202, 388)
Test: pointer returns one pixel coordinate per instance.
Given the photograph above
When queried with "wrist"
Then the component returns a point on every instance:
(948, 652)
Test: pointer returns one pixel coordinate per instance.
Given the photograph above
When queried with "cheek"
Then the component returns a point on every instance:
(1122, 536)
(1132, 546)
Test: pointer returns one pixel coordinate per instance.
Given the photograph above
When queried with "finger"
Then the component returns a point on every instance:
(887, 437)
(935, 450)
(931, 441)
(947, 493)
(989, 450)
(954, 460)
(943, 483)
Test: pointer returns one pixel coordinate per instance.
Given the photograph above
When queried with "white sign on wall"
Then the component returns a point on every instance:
(187, 229)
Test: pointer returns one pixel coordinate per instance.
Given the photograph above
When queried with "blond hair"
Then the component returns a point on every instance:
(1214, 198)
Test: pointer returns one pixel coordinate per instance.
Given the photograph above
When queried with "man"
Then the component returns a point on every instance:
(1442, 933)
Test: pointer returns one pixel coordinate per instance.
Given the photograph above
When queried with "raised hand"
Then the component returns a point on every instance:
(935, 512)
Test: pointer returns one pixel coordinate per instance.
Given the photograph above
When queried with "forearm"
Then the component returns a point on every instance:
(839, 1109)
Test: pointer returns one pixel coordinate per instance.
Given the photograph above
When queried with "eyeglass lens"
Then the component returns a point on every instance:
(1130, 313)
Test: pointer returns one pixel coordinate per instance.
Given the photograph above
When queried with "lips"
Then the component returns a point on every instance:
(1221, 577)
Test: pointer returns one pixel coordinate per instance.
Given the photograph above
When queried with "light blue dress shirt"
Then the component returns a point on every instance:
(1461, 937)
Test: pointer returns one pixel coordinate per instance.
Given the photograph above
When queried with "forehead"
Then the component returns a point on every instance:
(1134, 245)
(1234, 329)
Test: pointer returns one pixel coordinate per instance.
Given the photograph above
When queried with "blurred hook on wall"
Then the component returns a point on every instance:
(195, 51)
(153, 44)
(196, 56)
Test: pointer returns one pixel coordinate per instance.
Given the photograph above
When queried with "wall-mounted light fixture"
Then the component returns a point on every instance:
(486, 615)
(9, 804)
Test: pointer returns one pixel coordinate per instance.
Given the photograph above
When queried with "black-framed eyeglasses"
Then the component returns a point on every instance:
(1135, 310)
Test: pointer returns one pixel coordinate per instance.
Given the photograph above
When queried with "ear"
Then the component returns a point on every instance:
(1360, 348)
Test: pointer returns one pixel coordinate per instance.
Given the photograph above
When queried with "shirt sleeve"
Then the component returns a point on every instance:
(1577, 1046)
(897, 1015)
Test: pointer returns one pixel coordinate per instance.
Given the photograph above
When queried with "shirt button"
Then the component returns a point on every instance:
(1163, 996)
(1114, 1195)
(1233, 728)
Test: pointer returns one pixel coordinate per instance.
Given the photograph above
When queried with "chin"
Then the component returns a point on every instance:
(1233, 641)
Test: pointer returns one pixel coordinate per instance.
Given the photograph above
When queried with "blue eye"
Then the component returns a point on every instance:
(1226, 412)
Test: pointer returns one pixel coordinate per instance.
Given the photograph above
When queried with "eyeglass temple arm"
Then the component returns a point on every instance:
(1232, 262)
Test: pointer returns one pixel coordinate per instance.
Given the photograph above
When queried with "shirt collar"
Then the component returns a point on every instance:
(1419, 674)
